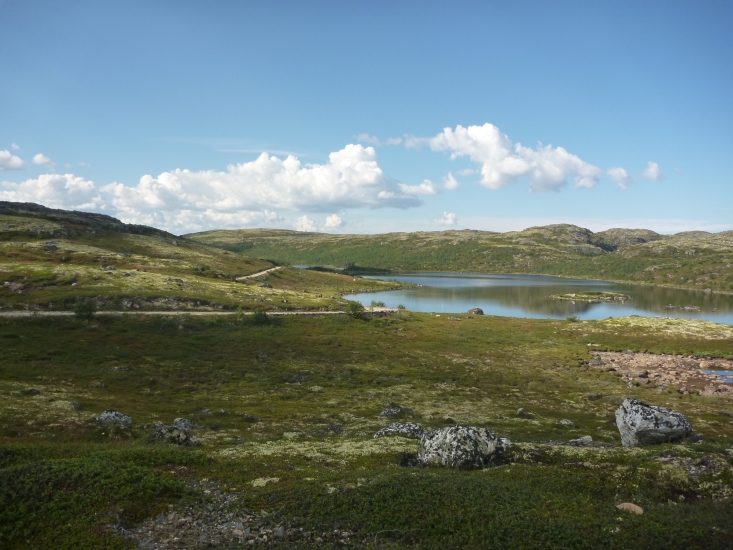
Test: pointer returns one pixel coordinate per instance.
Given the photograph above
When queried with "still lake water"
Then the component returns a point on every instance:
(530, 296)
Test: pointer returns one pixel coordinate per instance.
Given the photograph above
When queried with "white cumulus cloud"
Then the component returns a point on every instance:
(502, 162)
(449, 218)
(304, 223)
(652, 172)
(350, 179)
(56, 191)
(619, 176)
(427, 187)
(450, 182)
(8, 161)
(42, 160)
(334, 221)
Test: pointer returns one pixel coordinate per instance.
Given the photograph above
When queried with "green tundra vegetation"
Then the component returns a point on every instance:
(694, 259)
(52, 259)
(287, 406)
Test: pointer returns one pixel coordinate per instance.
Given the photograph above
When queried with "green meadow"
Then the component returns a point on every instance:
(287, 411)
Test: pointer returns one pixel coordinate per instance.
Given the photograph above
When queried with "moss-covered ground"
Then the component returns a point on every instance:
(317, 386)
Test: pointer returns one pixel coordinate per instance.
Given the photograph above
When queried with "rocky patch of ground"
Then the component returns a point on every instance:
(684, 372)
(214, 518)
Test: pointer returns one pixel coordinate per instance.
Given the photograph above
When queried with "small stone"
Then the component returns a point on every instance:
(280, 532)
(395, 411)
(409, 430)
(581, 441)
(567, 423)
(523, 413)
(237, 532)
(184, 424)
(629, 507)
(114, 418)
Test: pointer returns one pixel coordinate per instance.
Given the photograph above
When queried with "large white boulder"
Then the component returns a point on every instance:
(462, 447)
(642, 424)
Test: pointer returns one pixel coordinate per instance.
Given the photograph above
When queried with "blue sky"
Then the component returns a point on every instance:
(373, 116)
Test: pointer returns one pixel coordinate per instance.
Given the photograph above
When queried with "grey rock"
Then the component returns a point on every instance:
(114, 418)
(175, 435)
(462, 447)
(395, 411)
(264, 285)
(476, 311)
(581, 441)
(523, 413)
(567, 423)
(410, 430)
(642, 424)
(76, 405)
(184, 424)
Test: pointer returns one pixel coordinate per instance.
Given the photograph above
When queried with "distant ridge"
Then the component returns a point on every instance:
(98, 222)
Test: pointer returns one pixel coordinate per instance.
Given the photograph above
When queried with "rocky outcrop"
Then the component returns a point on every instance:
(642, 424)
(410, 430)
(114, 418)
(462, 447)
(476, 311)
(174, 434)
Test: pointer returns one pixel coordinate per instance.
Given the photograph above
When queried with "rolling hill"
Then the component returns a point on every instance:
(691, 260)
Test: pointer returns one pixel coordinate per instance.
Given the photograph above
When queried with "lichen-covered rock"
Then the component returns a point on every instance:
(476, 311)
(395, 411)
(184, 424)
(114, 418)
(175, 435)
(409, 430)
(462, 447)
(642, 424)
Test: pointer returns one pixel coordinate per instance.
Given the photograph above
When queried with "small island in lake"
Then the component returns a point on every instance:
(592, 297)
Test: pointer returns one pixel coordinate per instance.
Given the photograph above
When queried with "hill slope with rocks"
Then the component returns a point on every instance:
(52, 259)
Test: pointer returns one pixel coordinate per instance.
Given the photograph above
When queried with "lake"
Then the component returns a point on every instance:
(531, 296)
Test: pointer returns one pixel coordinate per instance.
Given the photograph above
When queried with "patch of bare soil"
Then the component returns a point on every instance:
(685, 373)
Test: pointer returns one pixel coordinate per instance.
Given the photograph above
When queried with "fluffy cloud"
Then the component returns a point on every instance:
(449, 218)
(619, 176)
(56, 191)
(334, 221)
(42, 160)
(8, 161)
(427, 187)
(350, 179)
(503, 162)
(450, 182)
(304, 223)
(652, 172)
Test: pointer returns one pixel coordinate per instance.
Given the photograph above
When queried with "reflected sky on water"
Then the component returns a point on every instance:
(531, 296)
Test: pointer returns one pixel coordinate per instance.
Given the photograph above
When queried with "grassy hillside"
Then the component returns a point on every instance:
(51, 259)
(286, 414)
(691, 259)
